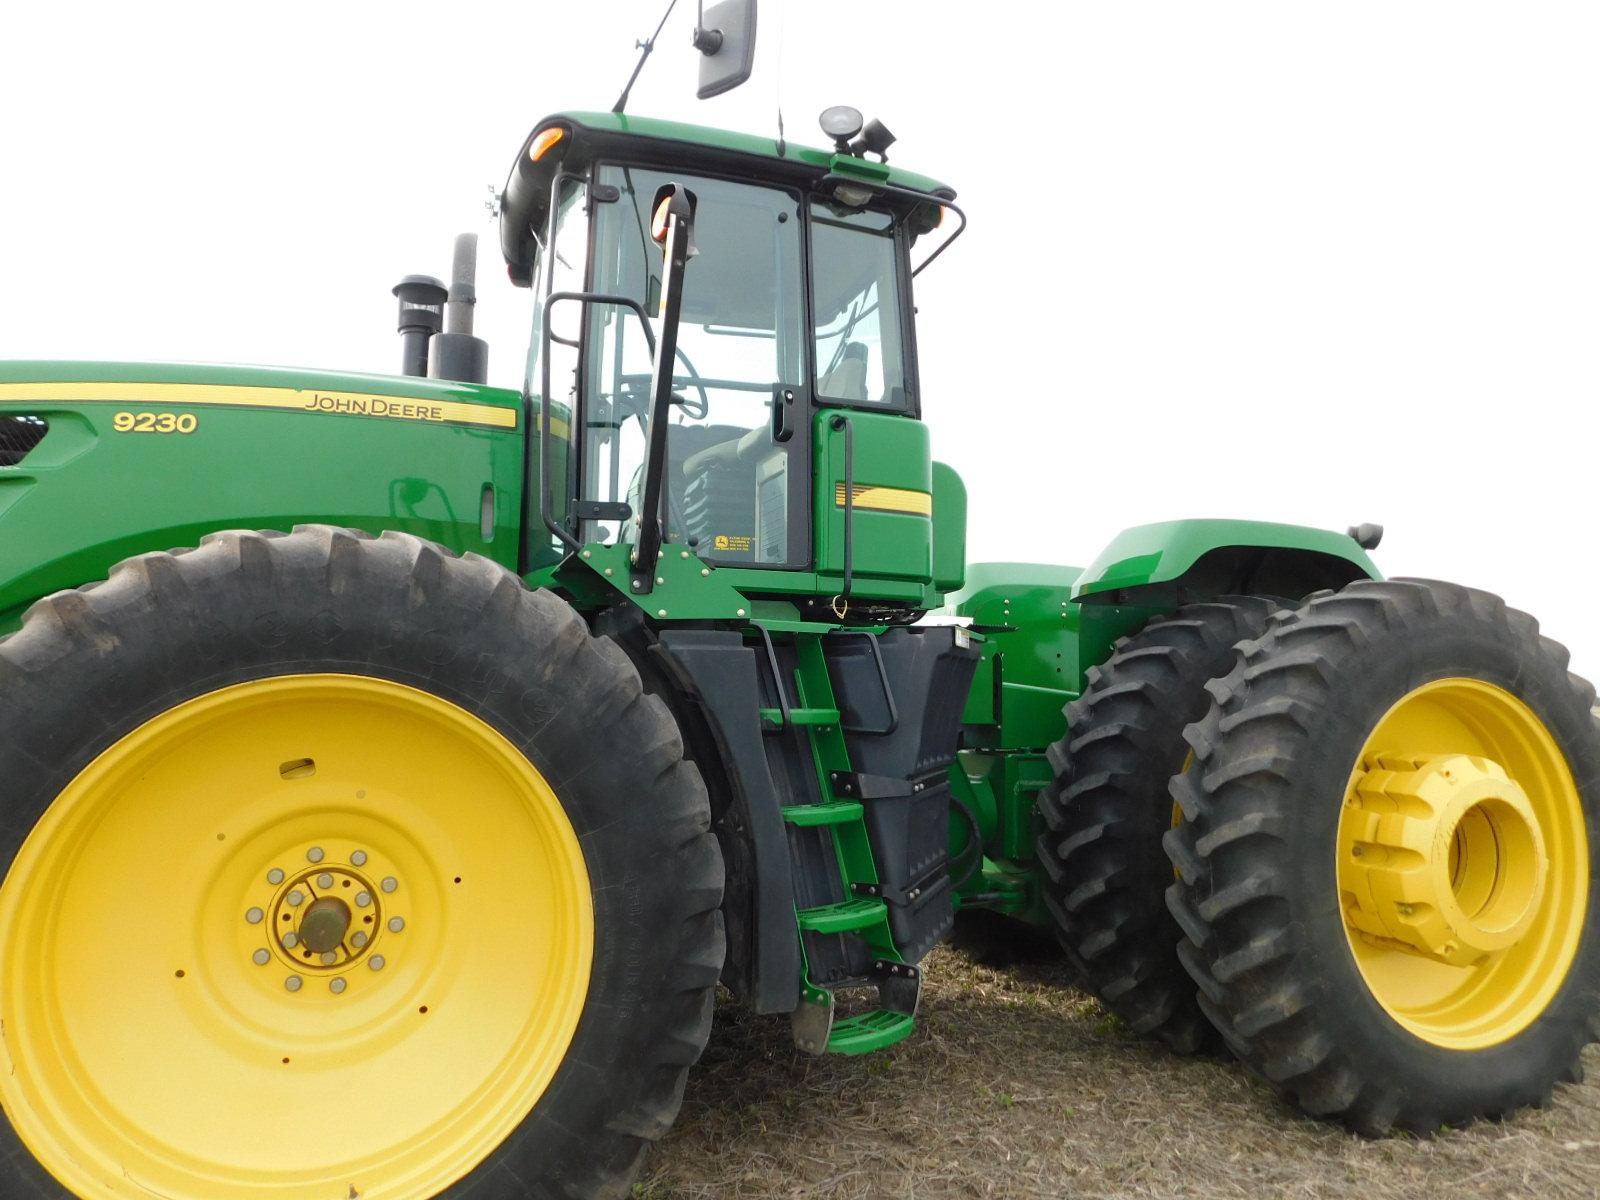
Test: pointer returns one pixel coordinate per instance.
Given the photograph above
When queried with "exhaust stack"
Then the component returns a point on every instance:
(456, 353)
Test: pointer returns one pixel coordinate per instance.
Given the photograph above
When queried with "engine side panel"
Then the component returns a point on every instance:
(141, 457)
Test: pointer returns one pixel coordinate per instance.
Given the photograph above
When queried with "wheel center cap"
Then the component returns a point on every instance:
(1442, 856)
(325, 924)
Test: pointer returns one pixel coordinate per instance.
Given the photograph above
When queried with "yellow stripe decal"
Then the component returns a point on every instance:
(886, 499)
(314, 400)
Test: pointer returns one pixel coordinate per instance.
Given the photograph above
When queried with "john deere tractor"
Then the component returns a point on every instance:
(393, 767)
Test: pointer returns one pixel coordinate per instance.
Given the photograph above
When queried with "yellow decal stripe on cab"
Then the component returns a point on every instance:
(886, 499)
(313, 400)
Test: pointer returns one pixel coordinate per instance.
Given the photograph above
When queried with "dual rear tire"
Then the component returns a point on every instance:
(1384, 896)
(1107, 811)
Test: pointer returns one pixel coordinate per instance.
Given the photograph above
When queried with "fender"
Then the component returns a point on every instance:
(1212, 557)
(139, 457)
(1153, 569)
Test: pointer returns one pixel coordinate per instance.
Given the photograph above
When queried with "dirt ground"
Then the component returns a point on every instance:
(1017, 1085)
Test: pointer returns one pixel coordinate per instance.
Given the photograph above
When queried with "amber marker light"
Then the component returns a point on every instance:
(544, 141)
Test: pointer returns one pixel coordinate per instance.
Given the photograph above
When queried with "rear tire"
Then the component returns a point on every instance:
(1385, 880)
(409, 643)
(1109, 807)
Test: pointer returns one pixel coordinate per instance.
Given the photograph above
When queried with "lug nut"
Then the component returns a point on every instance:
(324, 880)
(359, 858)
(275, 876)
(329, 958)
(254, 916)
(293, 983)
(315, 854)
(337, 986)
(376, 962)
(291, 940)
(363, 899)
(296, 898)
(260, 958)
(389, 883)
(396, 924)
(358, 939)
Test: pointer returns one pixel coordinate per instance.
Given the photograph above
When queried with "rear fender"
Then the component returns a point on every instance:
(1153, 569)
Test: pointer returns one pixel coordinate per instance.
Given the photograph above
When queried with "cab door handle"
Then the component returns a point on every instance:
(782, 413)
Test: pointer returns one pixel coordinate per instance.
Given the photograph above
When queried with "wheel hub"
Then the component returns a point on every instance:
(325, 924)
(328, 916)
(1441, 856)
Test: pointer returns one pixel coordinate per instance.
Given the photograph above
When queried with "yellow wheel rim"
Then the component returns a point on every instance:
(157, 919)
(1463, 864)
(1177, 809)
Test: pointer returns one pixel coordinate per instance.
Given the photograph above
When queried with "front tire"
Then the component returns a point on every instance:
(488, 875)
(1384, 863)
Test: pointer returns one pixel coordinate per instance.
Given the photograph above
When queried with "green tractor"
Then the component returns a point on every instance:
(391, 835)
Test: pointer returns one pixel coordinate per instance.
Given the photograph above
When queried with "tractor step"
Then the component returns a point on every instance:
(870, 1031)
(899, 996)
(842, 916)
(800, 716)
(837, 813)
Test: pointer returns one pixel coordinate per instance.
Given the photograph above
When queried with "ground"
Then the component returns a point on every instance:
(1016, 1085)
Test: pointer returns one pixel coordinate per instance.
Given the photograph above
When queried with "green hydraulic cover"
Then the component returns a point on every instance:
(1030, 663)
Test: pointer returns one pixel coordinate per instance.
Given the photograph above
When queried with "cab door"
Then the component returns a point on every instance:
(737, 479)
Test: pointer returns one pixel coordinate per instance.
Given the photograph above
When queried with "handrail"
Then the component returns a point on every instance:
(906, 193)
(562, 534)
(841, 602)
(777, 676)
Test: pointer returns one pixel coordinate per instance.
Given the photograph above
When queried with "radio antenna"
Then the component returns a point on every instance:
(783, 146)
(645, 46)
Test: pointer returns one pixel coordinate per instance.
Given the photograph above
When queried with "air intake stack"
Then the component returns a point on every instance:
(456, 353)
(422, 300)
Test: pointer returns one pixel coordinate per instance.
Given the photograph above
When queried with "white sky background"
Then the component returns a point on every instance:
(1320, 263)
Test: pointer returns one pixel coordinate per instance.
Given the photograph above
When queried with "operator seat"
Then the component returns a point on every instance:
(710, 491)
(719, 492)
(847, 380)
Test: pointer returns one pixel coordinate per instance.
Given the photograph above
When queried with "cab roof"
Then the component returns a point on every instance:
(624, 128)
(598, 135)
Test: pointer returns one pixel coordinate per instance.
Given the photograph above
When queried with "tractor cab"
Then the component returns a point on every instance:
(793, 332)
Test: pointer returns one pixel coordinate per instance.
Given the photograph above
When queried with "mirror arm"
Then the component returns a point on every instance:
(678, 243)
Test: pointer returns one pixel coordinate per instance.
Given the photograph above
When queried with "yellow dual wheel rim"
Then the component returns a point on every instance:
(180, 1023)
(1463, 864)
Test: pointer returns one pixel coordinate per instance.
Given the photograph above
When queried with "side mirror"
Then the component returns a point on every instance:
(726, 39)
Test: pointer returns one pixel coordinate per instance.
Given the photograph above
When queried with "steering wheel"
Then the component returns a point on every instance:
(695, 409)
(695, 412)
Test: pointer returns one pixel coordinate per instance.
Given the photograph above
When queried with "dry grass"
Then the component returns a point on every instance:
(1017, 1085)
